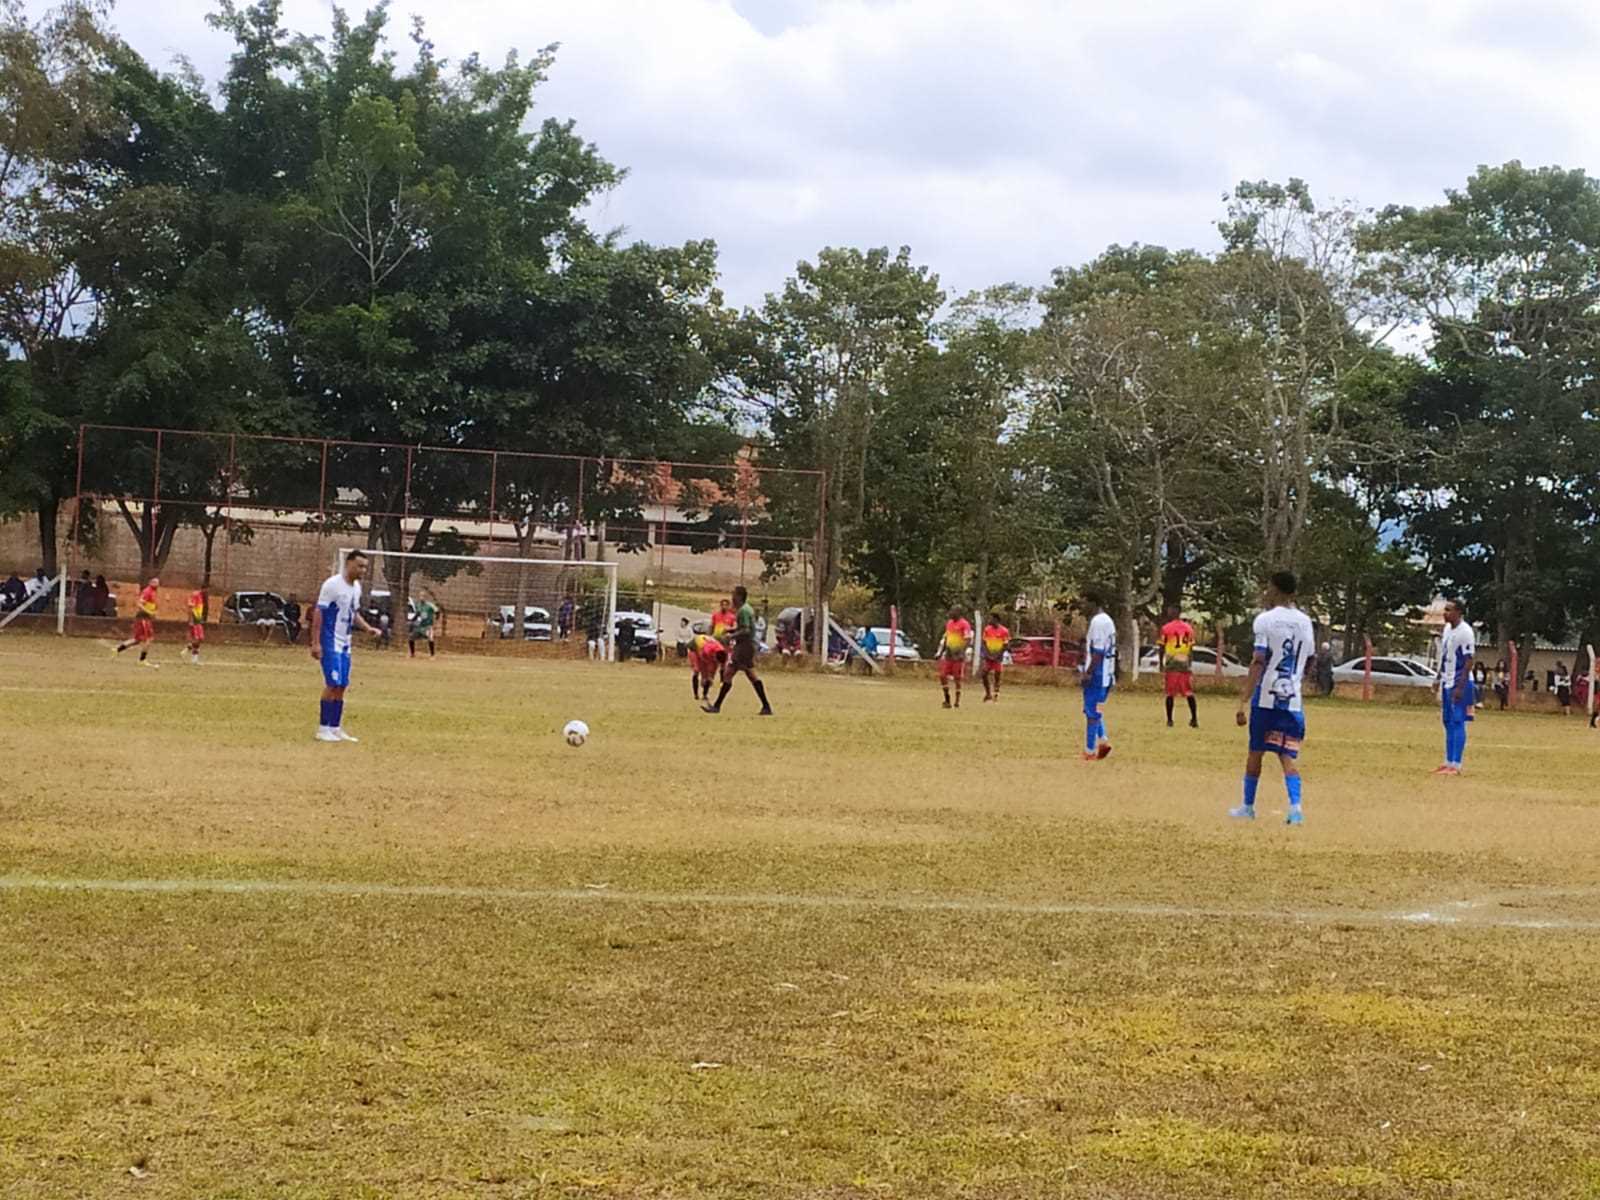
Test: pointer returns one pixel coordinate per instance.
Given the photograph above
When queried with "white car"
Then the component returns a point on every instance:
(905, 650)
(1391, 670)
(1202, 661)
(535, 622)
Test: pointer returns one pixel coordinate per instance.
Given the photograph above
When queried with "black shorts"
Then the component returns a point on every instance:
(743, 657)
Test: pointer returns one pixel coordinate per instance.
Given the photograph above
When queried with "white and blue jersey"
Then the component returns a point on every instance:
(1456, 650)
(1284, 639)
(339, 602)
(1102, 640)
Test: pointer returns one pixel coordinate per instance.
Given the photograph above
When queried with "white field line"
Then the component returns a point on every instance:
(1464, 914)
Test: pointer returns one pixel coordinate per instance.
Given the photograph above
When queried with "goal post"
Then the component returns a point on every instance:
(494, 596)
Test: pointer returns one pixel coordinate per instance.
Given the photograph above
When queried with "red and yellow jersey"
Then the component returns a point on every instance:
(1177, 645)
(147, 603)
(996, 637)
(721, 622)
(197, 608)
(704, 646)
(957, 637)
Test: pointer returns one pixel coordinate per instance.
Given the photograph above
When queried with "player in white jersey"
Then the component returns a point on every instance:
(1272, 701)
(336, 615)
(1457, 693)
(1099, 673)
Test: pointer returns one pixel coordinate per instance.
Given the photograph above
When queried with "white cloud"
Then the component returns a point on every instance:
(1005, 138)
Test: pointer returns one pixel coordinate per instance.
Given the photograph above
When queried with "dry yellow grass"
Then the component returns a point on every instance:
(480, 963)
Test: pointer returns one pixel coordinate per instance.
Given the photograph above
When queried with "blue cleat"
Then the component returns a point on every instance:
(1245, 812)
(1294, 817)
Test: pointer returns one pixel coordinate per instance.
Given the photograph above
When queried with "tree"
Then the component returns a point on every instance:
(1297, 295)
(821, 355)
(1507, 271)
(946, 517)
(52, 105)
(1132, 389)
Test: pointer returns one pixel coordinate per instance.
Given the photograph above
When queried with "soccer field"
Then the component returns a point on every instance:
(868, 948)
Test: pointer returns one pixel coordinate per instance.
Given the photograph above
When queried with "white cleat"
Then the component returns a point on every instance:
(327, 735)
(339, 735)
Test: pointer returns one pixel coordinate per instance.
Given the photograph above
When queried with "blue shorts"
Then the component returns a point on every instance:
(1276, 731)
(336, 668)
(1452, 713)
(1093, 697)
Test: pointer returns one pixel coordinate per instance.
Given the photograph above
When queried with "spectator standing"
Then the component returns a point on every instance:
(1562, 682)
(592, 634)
(38, 591)
(1324, 675)
(1502, 683)
(625, 634)
(291, 619)
(564, 618)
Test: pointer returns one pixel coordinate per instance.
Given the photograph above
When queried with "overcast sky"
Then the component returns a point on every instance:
(1005, 137)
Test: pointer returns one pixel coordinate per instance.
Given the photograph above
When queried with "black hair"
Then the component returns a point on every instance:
(1094, 595)
(740, 594)
(351, 555)
(1285, 582)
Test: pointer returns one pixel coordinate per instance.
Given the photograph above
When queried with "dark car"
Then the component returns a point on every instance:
(1040, 652)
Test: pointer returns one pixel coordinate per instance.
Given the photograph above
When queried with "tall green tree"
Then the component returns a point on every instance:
(820, 358)
(1507, 272)
(53, 105)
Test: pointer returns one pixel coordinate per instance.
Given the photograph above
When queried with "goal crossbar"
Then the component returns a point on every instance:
(607, 569)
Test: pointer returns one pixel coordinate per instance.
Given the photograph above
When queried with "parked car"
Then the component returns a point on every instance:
(646, 643)
(1202, 660)
(261, 609)
(1041, 652)
(1390, 670)
(536, 625)
(380, 601)
(905, 650)
(253, 608)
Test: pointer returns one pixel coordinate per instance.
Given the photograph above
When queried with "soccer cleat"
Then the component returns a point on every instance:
(145, 662)
(947, 703)
(1194, 722)
(1169, 723)
(1447, 769)
(327, 735)
(1104, 751)
(765, 712)
(713, 709)
(1087, 757)
(339, 735)
(1245, 812)
(1294, 817)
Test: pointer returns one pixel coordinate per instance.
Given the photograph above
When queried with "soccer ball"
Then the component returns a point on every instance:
(576, 733)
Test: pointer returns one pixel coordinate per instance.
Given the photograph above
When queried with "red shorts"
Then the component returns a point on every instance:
(1180, 683)
(144, 629)
(705, 665)
(951, 668)
(993, 666)
(197, 633)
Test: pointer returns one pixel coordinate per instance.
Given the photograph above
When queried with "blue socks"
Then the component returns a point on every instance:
(1292, 782)
(1251, 783)
(1455, 744)
(1091, 732)
(332, 714)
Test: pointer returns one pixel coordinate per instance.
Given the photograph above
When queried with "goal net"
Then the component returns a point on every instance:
(528, 599)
